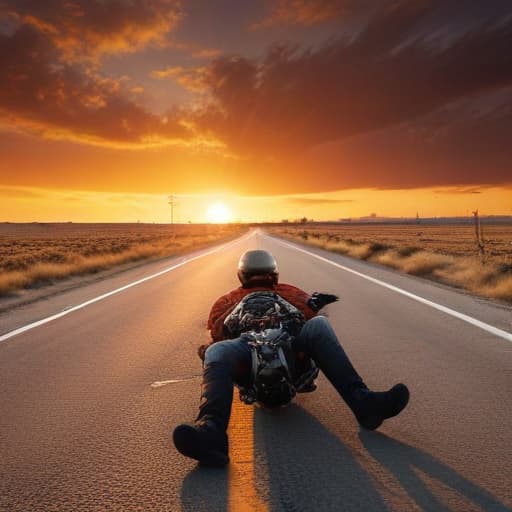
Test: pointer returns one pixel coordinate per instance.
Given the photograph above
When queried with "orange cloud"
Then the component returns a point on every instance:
(82, 29)
(206, 53)
(168, 72)
(193, 79)
(308, 12)
(58, 100)
(408, 101)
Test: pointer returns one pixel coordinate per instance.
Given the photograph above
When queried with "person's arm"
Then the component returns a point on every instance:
(310, 305)
(218, 313)
(319, 300)
(299, 298)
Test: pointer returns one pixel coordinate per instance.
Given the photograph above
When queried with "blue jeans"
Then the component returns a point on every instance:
(229, 361)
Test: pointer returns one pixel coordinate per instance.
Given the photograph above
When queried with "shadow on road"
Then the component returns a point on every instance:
(402, 460)
(300, 465)
(308, 467)
(205, 489)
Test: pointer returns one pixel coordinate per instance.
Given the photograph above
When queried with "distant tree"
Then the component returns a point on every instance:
(303, 220)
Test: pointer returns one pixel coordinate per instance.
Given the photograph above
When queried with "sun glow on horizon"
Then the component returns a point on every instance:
(219, 213)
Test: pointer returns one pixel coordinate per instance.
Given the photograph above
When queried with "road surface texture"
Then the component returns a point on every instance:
(88, 400)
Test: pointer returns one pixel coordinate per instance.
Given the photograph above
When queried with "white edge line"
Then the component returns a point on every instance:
(461, 316)
(72, 309)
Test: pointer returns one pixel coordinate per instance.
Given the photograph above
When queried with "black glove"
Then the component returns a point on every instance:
(318, 300)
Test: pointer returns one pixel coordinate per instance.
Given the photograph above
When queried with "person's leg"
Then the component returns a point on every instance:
(224, 362)
(318, 340)
(206, 440)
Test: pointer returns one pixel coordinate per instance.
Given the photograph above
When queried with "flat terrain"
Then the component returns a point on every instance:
(447, 239)
(447, 253)
(89, 399)
(38, 254)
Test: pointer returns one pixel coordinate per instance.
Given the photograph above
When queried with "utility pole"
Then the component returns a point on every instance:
(479, 238)
(172, 202)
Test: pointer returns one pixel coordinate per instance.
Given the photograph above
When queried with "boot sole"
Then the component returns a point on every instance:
(371, 422)
(213, 458)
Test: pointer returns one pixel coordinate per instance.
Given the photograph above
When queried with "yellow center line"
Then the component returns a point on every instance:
(243, 494)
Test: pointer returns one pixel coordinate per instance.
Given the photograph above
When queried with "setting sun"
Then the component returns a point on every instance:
(218, 213)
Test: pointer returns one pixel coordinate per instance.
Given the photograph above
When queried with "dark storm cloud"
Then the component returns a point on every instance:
(384, 77)
(407, 63)
(465, 143)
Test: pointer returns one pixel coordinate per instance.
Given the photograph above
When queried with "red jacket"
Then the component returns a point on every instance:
(225, 304)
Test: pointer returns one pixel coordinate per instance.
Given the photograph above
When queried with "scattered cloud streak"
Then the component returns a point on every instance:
(315, 201)
(310, 12)
(20, 193)
(90, 28)
(192, 79)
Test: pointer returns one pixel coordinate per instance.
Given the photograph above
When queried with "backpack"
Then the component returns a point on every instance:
(268, 323)
(262, 310)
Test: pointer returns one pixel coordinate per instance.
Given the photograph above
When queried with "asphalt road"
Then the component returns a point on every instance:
(88, 400)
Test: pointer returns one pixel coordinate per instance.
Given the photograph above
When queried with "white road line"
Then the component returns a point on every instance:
(161, 383)
(461, 316)
(72, 309)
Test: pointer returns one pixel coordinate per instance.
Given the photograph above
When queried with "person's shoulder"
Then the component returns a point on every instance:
(235, 292)
(288, 287)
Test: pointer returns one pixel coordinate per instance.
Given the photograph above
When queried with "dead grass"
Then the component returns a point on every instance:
(33, 255)
(415, 250)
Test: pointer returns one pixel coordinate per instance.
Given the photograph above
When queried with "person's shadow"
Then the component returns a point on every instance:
(205, 489)
(301, 465)
(402, 460)
(308, 467)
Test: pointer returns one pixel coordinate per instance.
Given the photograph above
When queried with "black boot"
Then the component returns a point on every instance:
(371, 408)
(202, 441)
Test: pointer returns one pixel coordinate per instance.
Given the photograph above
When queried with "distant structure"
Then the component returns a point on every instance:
(417, 218)
(172, 201)
(479, 237)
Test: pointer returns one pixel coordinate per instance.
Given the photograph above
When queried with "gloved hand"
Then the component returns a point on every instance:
(318, 300)
(202, 349)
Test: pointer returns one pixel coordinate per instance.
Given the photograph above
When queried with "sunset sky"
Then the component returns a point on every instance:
(271, 109)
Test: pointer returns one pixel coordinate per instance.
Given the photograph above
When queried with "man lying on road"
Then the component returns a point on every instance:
(228, 359)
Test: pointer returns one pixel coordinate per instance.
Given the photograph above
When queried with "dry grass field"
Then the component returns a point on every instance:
(33, 255)
(446, 253)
